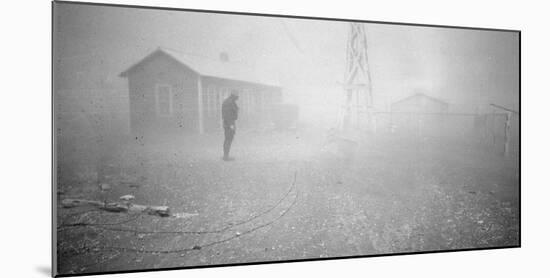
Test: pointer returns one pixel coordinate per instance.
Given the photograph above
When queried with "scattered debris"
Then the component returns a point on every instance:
(117, 207)
(131, 184)
(104, 187)
(184, 215)
(127, 198)
(70, 203)
(151, 210)
(114, 207)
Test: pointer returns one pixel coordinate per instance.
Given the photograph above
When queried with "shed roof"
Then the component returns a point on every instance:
(214, 67)
(421, 95)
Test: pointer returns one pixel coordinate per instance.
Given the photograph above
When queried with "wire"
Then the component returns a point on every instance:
(63, 223)
(291, 37)
(214, 231)
(199, 247)
(84, 224)
(100, 261)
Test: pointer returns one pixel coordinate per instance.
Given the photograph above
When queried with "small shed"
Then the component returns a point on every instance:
(420, 103)
(172, 92)
(419, 114)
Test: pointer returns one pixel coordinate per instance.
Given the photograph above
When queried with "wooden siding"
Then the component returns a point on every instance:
(255, 100)
(142, 87)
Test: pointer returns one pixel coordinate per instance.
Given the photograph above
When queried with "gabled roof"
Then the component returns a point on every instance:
(214, 68)
(421, 95)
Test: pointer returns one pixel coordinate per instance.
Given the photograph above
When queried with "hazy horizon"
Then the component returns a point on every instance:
(467, 68)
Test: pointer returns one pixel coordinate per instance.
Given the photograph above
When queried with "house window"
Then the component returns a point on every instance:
(263, 100)
(246, 105)
(164, 100)
(211, 101)
(236, 92)
(222, 95)
(259, 100)
(225, 93)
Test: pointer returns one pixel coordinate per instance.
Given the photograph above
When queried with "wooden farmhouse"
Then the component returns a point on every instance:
(171, 92)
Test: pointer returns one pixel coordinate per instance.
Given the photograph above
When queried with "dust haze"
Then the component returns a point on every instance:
(138, 97)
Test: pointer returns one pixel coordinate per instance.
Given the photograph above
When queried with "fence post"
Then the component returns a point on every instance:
(507, 134)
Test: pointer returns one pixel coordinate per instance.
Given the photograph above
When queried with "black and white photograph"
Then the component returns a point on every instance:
(198, 138)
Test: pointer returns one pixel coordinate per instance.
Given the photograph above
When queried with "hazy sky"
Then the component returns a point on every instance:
(463, 67)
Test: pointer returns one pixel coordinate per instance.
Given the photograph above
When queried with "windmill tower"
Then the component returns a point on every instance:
(356, 113)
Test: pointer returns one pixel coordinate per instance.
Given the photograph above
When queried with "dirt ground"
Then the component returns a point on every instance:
(288, 196)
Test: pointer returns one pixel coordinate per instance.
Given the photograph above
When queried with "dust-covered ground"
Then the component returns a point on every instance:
(289, 195)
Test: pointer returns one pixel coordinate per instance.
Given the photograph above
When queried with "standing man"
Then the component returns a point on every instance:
(230, 112)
